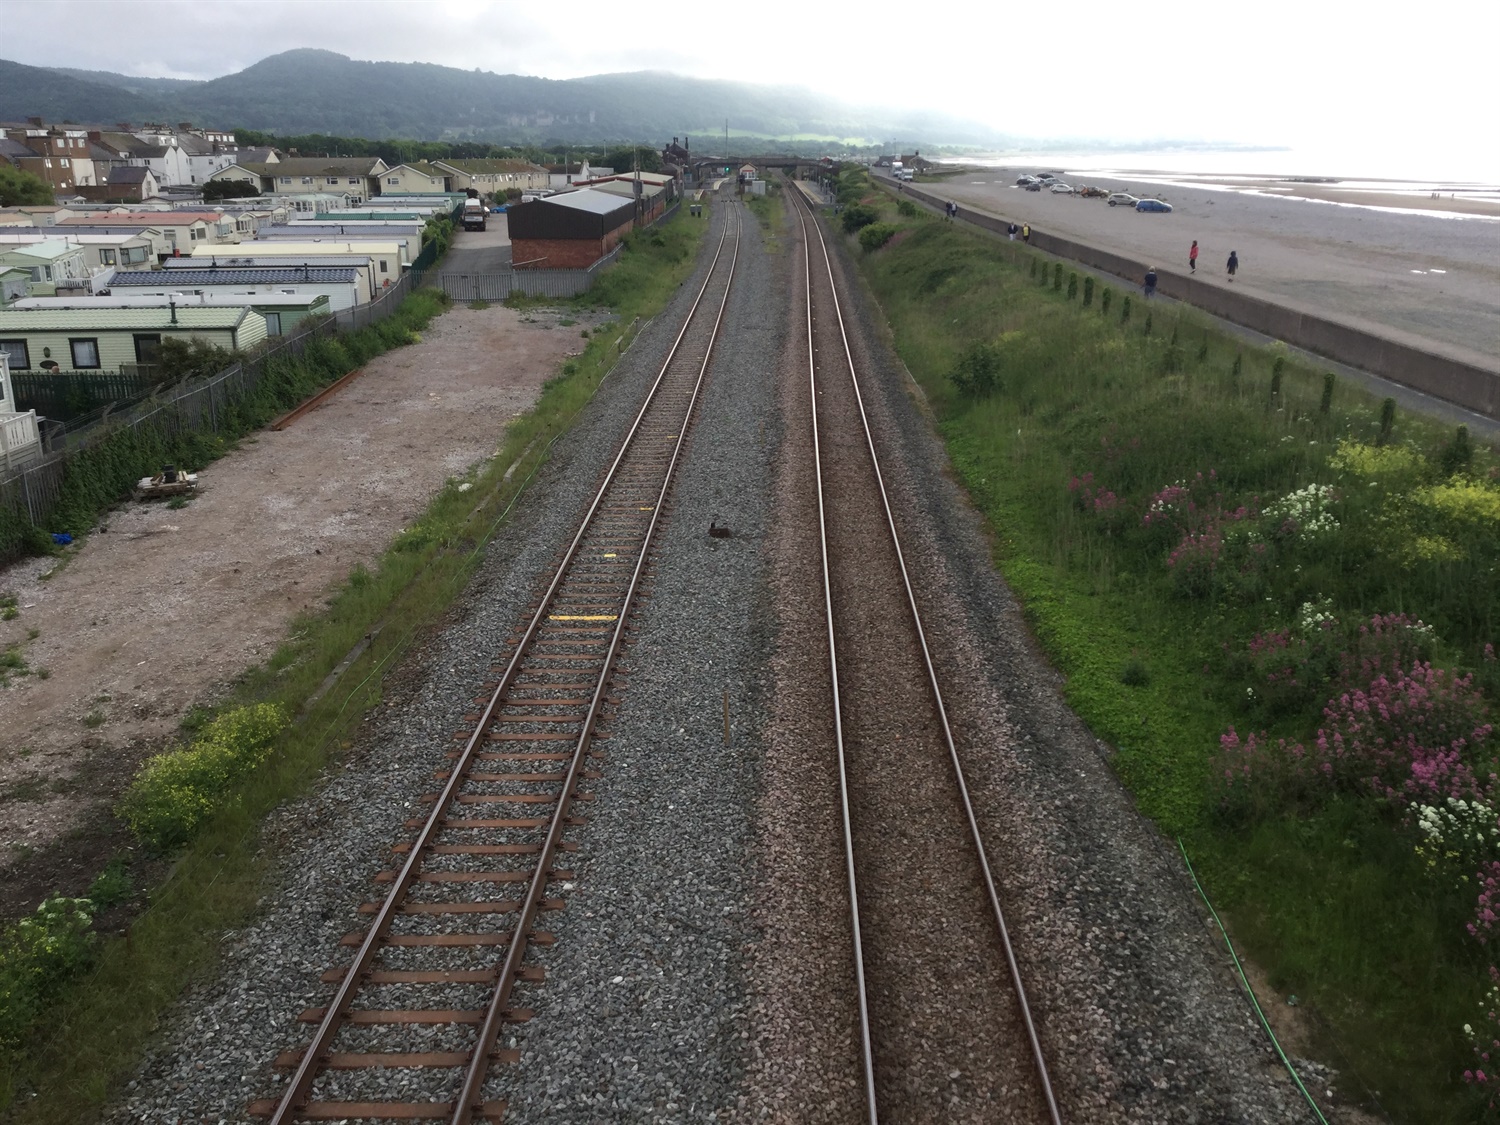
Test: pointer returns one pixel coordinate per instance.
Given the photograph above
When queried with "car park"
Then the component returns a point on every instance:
(1061, 189)
(1122, 199)
(1153, 205)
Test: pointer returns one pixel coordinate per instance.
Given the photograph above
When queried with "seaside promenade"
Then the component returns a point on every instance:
(1412, 276)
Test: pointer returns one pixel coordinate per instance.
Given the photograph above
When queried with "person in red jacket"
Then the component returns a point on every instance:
(1193, 257)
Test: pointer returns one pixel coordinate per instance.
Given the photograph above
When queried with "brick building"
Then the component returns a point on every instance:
(572, 230)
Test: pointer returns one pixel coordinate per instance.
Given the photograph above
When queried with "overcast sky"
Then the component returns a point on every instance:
(1324, 75)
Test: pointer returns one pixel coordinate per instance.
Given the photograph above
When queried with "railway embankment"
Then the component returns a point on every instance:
(1228, 555)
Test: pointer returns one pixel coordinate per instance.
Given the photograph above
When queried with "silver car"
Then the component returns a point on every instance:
(1061, 189)
(1122, 199)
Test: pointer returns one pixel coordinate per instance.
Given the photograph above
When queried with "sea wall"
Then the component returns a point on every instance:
(1464, 384)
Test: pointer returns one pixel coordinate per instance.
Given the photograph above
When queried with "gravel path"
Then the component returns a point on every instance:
(1140, 1016)
(648, 947)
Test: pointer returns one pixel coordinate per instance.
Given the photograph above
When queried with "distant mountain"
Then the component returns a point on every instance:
(312, 91)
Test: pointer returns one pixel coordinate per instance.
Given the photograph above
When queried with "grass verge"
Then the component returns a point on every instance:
(1201, 533)
(97, 1022)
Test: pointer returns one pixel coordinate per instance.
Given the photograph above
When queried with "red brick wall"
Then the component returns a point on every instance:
(560, 253)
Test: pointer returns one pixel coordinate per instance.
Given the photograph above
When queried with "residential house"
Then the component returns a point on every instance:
(257, 156)
(114, 339)
(492, 176)
(406, 235)
(202, 151)
(385, 256)
(20, 439)
(341, 286)
(58, 154)
(47, 263)
(364, 269)
(416, 178)
(184, 230)
(135, 184)
(282, 312)
(356, 177)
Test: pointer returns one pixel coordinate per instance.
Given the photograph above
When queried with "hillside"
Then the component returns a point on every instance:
(312, 91)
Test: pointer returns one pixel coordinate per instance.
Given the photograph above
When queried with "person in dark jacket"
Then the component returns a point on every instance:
(1233, 265)
(1150, 287)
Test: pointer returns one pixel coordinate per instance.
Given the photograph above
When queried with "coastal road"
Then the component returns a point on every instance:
(1375, 269)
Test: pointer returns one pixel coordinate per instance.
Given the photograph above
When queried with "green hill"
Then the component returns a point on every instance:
(313, 91)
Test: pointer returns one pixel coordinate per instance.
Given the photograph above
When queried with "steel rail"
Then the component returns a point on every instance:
(300, 1084)
(471, 1097)
(937, 691)
(867, 1048)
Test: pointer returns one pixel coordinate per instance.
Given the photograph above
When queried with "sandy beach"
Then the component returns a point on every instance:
(1422, 270)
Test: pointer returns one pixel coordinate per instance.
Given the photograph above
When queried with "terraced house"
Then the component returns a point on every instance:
(355, 177)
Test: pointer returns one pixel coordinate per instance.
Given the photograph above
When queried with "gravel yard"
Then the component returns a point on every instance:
(167, 608)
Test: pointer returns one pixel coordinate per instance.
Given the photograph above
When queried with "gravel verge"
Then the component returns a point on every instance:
(675, 912)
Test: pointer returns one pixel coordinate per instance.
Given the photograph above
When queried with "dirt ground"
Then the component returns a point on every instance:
(159, 610)
(1422, 278)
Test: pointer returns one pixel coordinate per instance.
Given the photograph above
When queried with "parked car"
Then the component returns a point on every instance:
(1122, 199)
(1022, 181)
(1046, 178)
(1035, 185)
(1092, 192)
(1152, 205)
(1060, 188)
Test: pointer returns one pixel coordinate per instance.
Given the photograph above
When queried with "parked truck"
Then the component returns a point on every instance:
(474, 213)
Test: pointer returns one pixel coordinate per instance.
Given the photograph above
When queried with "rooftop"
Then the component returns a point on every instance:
(166, 300)
(221, 275)
(90, 319)
(595, 202)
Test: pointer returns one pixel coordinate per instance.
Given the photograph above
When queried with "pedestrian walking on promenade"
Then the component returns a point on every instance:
(1026, 233)
(1193, 257)
(1011, 230)
(1233, 265)
(1150, 286)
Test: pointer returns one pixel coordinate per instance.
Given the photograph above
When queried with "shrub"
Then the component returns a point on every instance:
(1326, 403)
(1419, 735)
(858, 216)
(977, 372)
(1457, 455)
(1057, 277)
(1387, 421)
(876, 235)
(907, 209)
(174, 793)
(1088, 291)
(1072, 285)
(1125, 310)
(37, 955)
(1104, 300)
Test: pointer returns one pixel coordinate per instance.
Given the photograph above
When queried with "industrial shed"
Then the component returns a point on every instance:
(572, 230)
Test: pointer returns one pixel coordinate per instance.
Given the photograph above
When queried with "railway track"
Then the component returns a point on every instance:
(413, 1025)
(944, 1025)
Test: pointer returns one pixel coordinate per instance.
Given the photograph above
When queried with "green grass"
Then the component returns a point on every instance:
(1328, 897)
(96, 1031)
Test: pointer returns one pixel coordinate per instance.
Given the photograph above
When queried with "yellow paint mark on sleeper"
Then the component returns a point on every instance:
(648, 508)
(609, 554)
(583, 617)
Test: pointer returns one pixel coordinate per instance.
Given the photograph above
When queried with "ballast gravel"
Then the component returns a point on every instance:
(643, 1011)
(1137, 1010)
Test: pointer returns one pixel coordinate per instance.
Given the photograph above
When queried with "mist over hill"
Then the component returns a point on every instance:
(313, 91)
